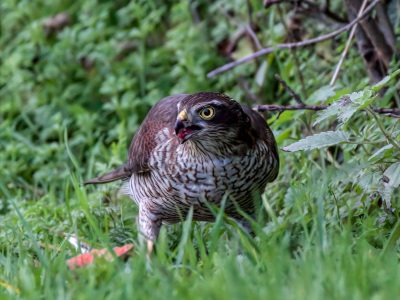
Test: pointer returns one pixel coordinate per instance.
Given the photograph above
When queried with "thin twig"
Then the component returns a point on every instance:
(347, 47)
(281, 108)
(388, 112)
(289, 90)
(253, 36)
(312, 41)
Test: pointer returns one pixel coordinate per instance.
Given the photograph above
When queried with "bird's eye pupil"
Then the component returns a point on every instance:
(207, 112)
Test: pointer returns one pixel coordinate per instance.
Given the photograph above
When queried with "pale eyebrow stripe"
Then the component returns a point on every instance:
(203, 104)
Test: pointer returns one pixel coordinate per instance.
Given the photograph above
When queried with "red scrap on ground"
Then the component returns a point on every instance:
(88, 258)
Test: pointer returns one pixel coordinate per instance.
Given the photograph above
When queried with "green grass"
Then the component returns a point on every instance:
(290, 257)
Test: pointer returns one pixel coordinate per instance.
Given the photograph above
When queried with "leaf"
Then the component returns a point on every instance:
(286, 117)
(362, 99)
(282, 135)
(380, 151)
(261, 72)
(381, 84)
(390, 181)
(368, 180)
(393, 175)
(331, 111)
(320, 140)
(385, 191)
(346, 106)
(322, 94)
(343, 109)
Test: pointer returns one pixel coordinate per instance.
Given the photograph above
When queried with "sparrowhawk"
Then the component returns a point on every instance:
(194, 150)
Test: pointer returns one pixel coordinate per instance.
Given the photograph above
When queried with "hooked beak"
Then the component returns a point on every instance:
(183, 127)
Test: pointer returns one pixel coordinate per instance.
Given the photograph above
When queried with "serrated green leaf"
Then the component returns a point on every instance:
(346, 106)
(319, 140)
(393, 175)
(362, 99)
(332, 110)
(343, 109)
(347, 112)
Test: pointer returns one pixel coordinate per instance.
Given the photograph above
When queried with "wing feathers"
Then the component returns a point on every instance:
(119, 173)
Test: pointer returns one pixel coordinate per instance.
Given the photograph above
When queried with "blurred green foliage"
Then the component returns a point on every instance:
(71, 99)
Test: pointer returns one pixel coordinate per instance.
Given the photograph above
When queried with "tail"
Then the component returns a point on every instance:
(122, 172)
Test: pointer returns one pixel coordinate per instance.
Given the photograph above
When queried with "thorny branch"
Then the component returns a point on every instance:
(389, 112)
(308, 42)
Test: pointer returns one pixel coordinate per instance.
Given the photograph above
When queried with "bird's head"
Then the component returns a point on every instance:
(209, 116)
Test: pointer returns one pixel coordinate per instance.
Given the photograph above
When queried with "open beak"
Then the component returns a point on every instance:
(179, 126)
(184, 127)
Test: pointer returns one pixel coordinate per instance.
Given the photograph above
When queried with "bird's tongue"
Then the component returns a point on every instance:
(184, 132)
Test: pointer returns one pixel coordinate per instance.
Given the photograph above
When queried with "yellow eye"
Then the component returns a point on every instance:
(207, 113)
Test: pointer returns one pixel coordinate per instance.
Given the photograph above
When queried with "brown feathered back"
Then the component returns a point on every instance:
(161, 115)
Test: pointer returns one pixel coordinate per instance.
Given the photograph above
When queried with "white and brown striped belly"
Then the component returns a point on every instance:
(180, 181)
